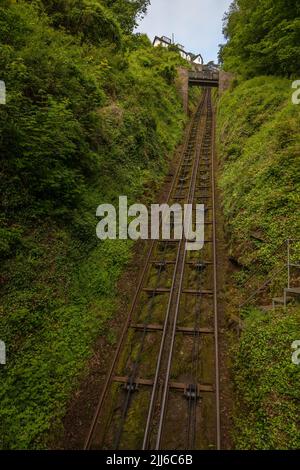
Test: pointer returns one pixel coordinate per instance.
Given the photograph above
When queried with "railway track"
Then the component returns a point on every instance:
(162, 390)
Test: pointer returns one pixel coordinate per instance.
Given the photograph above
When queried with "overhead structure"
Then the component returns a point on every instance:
(205, 78)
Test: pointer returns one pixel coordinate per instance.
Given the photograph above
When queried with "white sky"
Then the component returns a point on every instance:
(197, 24)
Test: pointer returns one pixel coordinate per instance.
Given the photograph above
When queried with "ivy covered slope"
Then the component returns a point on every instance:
(92, 113)
(260, 182)
(260, 160)
(267, 383)
(259, 176)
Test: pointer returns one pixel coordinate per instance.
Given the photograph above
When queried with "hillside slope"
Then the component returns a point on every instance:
(259, 177)
(260, 158)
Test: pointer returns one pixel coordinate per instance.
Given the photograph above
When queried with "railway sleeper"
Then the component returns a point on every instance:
(179, 386)
(179, 329)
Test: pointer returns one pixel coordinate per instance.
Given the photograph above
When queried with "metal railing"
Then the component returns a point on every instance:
(289, 265)
(259, 289)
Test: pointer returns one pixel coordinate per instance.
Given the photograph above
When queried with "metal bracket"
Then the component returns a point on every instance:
(191, 392)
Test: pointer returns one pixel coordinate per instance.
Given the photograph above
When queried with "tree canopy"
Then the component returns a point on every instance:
(263, 37)
(95, 19)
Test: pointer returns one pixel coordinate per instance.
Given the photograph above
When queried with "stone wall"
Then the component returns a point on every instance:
(225, 80)
(182, 84)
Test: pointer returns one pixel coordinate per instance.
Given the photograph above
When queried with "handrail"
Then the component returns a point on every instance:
(287, 265)
(252, 275)
(261, 287)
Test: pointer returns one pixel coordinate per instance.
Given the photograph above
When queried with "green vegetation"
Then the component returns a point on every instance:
(92, 113)
(259, 176)
(267, 383)
(259, 153)
(263, 37)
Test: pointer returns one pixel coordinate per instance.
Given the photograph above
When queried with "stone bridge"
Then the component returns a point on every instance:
(203, 77)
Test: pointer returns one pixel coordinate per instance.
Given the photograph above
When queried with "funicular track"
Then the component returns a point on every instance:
(162, 390)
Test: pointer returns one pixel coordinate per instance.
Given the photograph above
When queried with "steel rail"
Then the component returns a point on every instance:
(177, 305)
(194, 367)
(192, 187)
(90, 435)
(163, 403)
(175, 321)
(133, 375)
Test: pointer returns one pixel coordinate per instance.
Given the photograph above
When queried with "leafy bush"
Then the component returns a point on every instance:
(263, 37)
(86, 18)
